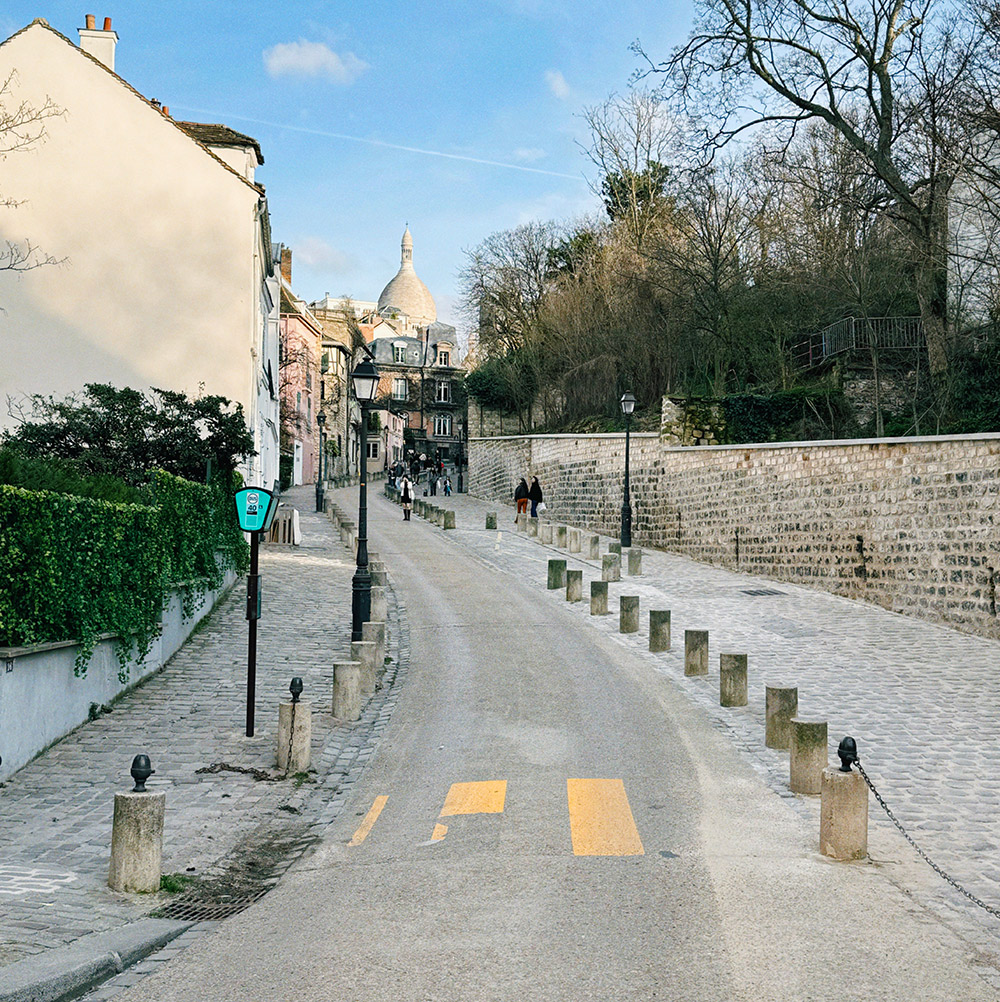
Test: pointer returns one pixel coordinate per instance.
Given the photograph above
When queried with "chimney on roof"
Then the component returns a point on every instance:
(286, 264)
(99, 44)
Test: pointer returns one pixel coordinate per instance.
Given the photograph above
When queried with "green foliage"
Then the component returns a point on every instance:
(174, 883)
(124, 433)
(503, 384)
(46, 473)
(977, 394)
(79, 567)
(788, 415)
(623, 190)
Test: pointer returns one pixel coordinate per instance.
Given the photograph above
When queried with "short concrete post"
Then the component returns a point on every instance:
(843, 815)
(780, 705)
(294, 736)
(696, 652)
(449, 520)
(593, 547)
(137, 836)
(491, 521)
(347, 690)
(634, 561)
(598, 598)
(532, 524)
(345, 532)
(560, 536)
(611, 567)
(808, 755)
(378, 574)
(628, 614)
(376, 633)
(659, 629)
(557, 574)
(574, 541)
(732, 680)
(545, 533)
(365, 653)
(380, 604)
(574, 586)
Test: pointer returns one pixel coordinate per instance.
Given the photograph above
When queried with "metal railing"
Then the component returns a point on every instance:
(860, 334)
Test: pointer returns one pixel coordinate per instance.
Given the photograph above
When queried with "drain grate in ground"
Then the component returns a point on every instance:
(194, 908)
(762, 591)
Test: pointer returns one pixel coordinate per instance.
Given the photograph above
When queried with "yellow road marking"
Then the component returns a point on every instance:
(439, 833)
(475, 798)
(600, 819)
(370, 818)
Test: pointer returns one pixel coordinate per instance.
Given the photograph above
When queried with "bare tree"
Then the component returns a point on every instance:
(875, 73)
(22, 127)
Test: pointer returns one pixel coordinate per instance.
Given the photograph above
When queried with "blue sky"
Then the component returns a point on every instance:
(490, 80)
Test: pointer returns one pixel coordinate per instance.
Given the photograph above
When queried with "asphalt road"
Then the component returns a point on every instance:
(548, 819)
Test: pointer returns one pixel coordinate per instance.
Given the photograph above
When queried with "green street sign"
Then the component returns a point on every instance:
(255, 508)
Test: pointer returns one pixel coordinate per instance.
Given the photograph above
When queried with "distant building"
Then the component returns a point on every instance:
(166, 274)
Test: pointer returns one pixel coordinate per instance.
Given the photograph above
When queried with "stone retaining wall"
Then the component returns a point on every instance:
(912, 525)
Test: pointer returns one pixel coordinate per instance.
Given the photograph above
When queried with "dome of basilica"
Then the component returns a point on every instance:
(406, 293)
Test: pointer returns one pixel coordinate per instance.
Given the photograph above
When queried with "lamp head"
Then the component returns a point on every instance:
(628, 404)
(365, 381)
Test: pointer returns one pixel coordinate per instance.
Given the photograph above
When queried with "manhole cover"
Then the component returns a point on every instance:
(762, 591)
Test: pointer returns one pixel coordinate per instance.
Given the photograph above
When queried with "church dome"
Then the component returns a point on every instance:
(406, 292)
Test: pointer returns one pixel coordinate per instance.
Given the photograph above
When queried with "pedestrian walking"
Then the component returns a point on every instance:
(521, 497)
(434, 484)
(535, 496)
(447, 487)
(406, 496)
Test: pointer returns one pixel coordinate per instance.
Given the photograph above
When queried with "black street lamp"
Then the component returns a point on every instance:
(365, 380)
(320, 420)
(628, 405)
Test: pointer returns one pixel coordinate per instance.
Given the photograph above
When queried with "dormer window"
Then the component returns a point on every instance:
(399, 353)
(444, 358)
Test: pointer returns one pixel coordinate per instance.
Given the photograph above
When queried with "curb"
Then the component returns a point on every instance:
(68, 971)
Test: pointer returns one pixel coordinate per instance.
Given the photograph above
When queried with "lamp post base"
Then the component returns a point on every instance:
(626, 526)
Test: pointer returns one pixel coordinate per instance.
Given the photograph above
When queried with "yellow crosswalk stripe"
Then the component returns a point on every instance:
(600, 819)
(370, 818)
(475, 798)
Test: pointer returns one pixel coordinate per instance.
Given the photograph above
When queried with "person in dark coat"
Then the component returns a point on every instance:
(406, 496)
(535, 496)
(521, 496)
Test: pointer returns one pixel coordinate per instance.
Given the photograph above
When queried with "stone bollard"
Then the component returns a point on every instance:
(598, 598)
(449, 520)
(808, 755)
(628, 614)
(137, 835)
(560, 536)
(379, 575)
(365, 652)
(532, 526)
(593, 547)
(557, 574)
(347, 690)
(843, 815)
(659, 629)
(780, 705)
(345, 531)
(732, 680)
(634, 561)
(294, 732)
(696, 652)
(491, 521)
(574, 541)
(377, 633)
(545, 533)
(611, 567)
(615, 548)
(380, 604)
(574, 586)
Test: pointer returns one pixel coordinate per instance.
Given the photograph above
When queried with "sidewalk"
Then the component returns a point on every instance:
(55, 835)
(921, 700)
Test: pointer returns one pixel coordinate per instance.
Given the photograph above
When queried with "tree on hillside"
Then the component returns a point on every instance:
(22, 128)
(878, 74)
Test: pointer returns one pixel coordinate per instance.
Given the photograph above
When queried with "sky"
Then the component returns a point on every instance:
(458, 119)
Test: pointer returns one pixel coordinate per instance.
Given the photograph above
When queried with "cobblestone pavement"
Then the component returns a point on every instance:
(921, 700)
(56, 812)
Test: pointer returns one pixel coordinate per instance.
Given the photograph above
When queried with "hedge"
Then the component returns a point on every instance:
(74, 568)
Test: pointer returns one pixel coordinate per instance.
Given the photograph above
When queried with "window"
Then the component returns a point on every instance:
(399, 352)
(373, 450)
(400, 389)
(444, 358)
(442, 425)
(298, 402)
(443, 391)
(309, 380)
(322, 389)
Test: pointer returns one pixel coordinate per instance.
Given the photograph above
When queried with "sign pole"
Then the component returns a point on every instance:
(253, 588)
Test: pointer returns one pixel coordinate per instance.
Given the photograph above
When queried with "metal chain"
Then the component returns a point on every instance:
(291, 738)
(920, 852)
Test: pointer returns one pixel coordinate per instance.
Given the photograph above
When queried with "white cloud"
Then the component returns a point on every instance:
(528, 155)
(557, 84)
(318, 255)
(312, 59)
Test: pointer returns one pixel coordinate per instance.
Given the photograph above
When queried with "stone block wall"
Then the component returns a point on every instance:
(912, 525)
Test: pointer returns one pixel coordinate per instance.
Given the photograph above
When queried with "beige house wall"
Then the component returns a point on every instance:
(160, 273)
